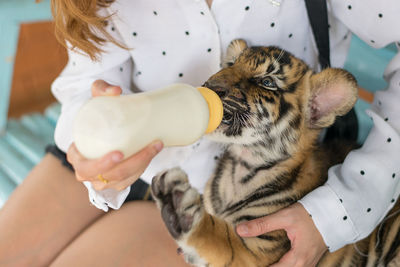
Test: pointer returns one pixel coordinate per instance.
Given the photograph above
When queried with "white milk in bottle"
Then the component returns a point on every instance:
(177, 115)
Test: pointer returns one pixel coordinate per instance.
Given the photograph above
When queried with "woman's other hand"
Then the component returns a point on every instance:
(111, 171)
(307, 245)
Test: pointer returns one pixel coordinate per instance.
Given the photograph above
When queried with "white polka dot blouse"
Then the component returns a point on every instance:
(184, 40)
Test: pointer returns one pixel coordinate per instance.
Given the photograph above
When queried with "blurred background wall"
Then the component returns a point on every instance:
(31, 57)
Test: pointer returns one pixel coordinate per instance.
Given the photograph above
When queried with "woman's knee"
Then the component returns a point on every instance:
(132, 236)
(43, 215)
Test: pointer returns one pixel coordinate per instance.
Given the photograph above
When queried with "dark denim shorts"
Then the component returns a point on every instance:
(140, 190)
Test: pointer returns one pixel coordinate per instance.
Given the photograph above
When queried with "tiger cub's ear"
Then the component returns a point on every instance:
(333, 92)
(233, 51)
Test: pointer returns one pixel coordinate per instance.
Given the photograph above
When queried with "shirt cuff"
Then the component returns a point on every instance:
(107, 198)
(330, 217)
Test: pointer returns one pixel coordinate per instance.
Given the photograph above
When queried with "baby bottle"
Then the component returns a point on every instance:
(177, 115)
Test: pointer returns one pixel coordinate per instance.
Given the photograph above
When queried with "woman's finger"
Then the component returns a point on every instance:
(73, 155)
(275, 221)
(87, 169)
(128, 171)
(100, 185)
(102, 88)
(135, 165)
(121, 185)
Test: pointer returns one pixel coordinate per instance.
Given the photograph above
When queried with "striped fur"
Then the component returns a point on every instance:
(274, 110)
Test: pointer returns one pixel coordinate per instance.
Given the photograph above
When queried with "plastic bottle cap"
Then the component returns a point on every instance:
(214, 106)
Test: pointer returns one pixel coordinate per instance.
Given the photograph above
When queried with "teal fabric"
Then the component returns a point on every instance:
(23, 145)
(367, 65)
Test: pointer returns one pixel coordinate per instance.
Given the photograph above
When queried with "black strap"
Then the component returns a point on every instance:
(345, 127)
(318, 17)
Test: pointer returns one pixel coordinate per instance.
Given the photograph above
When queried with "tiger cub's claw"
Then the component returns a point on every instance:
(180, 204)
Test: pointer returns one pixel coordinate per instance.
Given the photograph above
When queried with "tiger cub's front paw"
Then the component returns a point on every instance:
(180, 204)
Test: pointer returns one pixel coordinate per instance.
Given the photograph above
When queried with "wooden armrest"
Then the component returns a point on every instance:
(39, 60)
(365, 95)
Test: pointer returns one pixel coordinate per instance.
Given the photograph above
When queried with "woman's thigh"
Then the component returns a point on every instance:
(43, 215)
(132, 236)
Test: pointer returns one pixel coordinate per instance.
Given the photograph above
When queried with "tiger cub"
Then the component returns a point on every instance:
(274, 109)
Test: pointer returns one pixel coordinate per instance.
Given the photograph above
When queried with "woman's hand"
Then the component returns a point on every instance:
(114, 172)
(307, 245)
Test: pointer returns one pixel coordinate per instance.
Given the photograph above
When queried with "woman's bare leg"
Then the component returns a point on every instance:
(135, 235)
(44, 214)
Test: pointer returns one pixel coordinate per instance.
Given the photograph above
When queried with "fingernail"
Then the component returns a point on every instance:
(158, 146)
(117, 157)
(242, 229)
(109, 90)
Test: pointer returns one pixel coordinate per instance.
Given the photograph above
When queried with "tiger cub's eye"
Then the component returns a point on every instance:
(269, 83)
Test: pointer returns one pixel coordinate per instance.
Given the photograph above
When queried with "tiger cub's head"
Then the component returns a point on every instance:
(270, 97)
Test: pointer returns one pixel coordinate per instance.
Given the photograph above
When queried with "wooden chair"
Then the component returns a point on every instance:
(31, 59)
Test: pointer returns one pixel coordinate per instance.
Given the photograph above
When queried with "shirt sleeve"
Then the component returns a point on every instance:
(73, 88)
(360, 192)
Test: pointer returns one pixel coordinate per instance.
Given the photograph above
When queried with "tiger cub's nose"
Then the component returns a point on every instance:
(220, 90)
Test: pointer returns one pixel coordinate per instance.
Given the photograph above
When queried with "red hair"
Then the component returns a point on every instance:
(77, 21)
